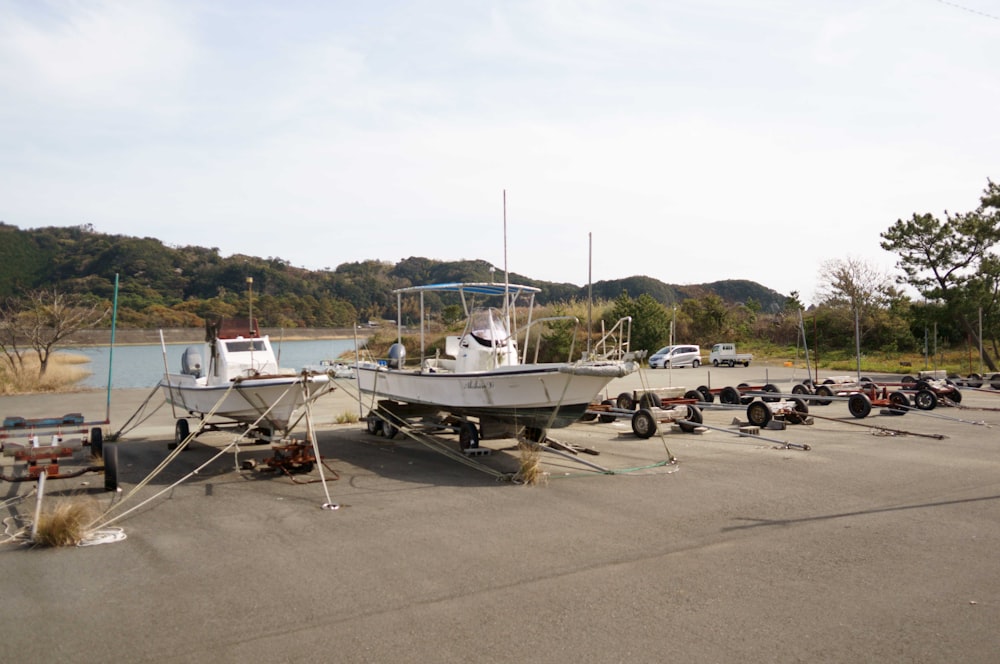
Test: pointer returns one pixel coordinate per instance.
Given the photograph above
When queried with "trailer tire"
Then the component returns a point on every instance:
(625, 401)
(800, 411)
(181, 431)
(96, 442)
(925, 400)
(468, 435)
(823, 391)
(694, 417)
(744, 399)
(729, 395)
(995, 381)
(899, 402)
(955, 395)
(643, 423)
(650, 400)
(859, 405)
(801, 388)
(770, 388)
(974, 380)
(374, 423)
(759, 413)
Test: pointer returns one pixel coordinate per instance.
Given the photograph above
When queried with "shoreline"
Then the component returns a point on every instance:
(191, 335)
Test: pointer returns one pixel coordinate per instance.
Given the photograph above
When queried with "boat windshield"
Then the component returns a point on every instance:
(244, 345)
(488, 327)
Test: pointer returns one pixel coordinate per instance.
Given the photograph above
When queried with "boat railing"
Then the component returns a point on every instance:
(526, 331)
(616, 343)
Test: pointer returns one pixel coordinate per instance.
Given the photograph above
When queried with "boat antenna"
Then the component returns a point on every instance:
(250, 300)
(590, 289)
(506, 273)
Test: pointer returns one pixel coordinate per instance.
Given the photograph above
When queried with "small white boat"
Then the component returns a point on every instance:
(241, 385)
(484, 372)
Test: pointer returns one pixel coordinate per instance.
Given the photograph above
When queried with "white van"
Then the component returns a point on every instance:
(676, 356)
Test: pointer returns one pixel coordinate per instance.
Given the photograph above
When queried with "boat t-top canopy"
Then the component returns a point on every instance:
(510, 293)
(476, 288)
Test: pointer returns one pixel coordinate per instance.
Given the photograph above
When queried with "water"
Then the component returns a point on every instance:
(142, 365)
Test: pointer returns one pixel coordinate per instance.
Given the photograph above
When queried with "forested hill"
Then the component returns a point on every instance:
(162, 285)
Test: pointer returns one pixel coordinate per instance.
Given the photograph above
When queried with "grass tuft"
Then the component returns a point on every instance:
(65, 524)
(530, 471)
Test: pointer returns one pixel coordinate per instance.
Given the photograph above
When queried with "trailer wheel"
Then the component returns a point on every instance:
(925, 400)
(389, 430)
(995, 381)
(922, 385)
(695, 418)
(694, 394)
(650, 400)
(799, 411)
(468, 435)
(823, 391)
(770, 388)
(374, 423)
(729, 395)
(588, 417)
(96, 442)
(643, 423)
(859, 405)
(975, 380)
(625, 401)
(899, 402)
(759, 413)
(801, 388)
(181, 432)
(744, 399)
(908, 379)
(606, 417)
(955, 395)
(707, 393)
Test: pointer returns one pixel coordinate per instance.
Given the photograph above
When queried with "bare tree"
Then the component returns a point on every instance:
(858, 286)
(42, 319)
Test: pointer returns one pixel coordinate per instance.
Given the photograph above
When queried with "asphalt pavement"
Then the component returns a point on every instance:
(878, 543)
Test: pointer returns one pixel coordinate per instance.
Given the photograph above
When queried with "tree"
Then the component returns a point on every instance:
(854, 286)
(650, 320)
(41, 320)
(952, 261)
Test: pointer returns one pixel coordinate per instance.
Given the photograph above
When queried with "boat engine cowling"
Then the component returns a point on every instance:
(191, 362)
(397, 356)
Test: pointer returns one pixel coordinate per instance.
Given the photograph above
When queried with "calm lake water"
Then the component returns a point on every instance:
(142, 365)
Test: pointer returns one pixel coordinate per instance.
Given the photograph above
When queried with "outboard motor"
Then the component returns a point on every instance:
(397, 356)
(191, 362)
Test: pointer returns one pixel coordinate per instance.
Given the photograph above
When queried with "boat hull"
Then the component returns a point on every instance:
(273, 403)
(538, 395)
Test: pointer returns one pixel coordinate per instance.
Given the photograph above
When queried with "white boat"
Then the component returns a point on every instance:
(483, 377)
(241, 385)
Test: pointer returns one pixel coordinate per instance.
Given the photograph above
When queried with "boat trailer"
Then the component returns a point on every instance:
(40, 458)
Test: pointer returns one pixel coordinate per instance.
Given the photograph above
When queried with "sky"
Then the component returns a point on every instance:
(685, 140)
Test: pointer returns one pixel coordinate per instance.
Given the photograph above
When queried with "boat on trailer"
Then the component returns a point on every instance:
(483, 383)
(241, 386)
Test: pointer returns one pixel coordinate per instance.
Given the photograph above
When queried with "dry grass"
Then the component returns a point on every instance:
(65, 524)
(530, 471)
(63, 375)
(347, 417)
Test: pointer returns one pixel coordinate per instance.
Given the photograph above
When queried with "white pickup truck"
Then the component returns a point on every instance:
(726, 354)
